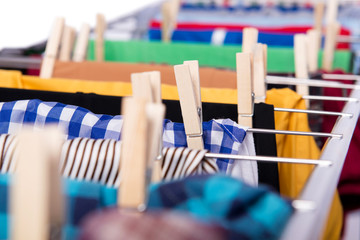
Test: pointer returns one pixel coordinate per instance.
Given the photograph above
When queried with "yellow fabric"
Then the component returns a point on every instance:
(14, 79)
(292, 177)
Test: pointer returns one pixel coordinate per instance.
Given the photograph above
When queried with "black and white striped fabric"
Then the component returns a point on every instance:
(98, 160)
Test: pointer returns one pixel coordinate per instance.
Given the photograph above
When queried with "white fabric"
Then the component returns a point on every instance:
(246, 170)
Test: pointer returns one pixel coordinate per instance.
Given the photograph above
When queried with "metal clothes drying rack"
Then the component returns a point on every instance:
(321, 186)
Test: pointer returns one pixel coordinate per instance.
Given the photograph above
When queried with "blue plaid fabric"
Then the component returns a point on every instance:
(245, 212)
(220, 136)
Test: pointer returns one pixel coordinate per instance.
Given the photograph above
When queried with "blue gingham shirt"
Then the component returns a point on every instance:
(220, 136)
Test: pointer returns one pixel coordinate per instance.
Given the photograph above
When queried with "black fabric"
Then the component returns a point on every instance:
(111, 105)
(265, 144)
(21, 52)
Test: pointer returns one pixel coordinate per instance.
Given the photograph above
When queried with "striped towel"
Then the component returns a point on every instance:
(97, 160)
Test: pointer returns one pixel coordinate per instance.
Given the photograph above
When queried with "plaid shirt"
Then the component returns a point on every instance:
(217, 199)
(220, 136)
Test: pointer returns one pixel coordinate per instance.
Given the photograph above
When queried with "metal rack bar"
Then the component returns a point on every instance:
(322, 183)
(309, 82)
(329, 98)
(323, 163)
(313, 134)
(20, 62)
(341, 76)
(313, 112)
(347, 39)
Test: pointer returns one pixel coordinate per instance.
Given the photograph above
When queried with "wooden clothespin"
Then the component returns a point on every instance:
(313, 47)
(250, 38)
(265, 49)
(332, 7)
(169, 12)
(36, 196)
(148, 86)
(301, 66)
(52, 48)
(99, 37)
(67, 44)
(133, 159)
(318, 16)
(155, 114)
(140, 144)
(332, 30)
(195, 79)
(244, 89)
(155, 81)
(190, 104)
(141, 86)
(259, 74)
(82, 43)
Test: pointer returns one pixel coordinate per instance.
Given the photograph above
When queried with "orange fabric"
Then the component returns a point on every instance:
(111, 71)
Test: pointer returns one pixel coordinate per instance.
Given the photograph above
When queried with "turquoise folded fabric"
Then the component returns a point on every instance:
(244, 211)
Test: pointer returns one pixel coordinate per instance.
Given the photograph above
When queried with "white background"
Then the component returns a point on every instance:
(27, 22)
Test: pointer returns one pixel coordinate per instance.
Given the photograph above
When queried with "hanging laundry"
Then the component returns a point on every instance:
(292, 176)
(220, 136)
(280, 59)
(121, 72)
(265, 144)
(98, 160)
(231, 37)
(276, 26)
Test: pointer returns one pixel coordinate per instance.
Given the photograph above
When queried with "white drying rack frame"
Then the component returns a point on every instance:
(322, 183)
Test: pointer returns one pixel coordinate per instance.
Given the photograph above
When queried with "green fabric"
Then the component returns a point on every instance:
(280, 60)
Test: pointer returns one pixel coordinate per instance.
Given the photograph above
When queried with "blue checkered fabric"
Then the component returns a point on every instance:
(245, 212)
(220, 136)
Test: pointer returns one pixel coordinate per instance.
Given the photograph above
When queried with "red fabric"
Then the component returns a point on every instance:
(31, 71)
(349, 183)
(155, 24)
(238, 27)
